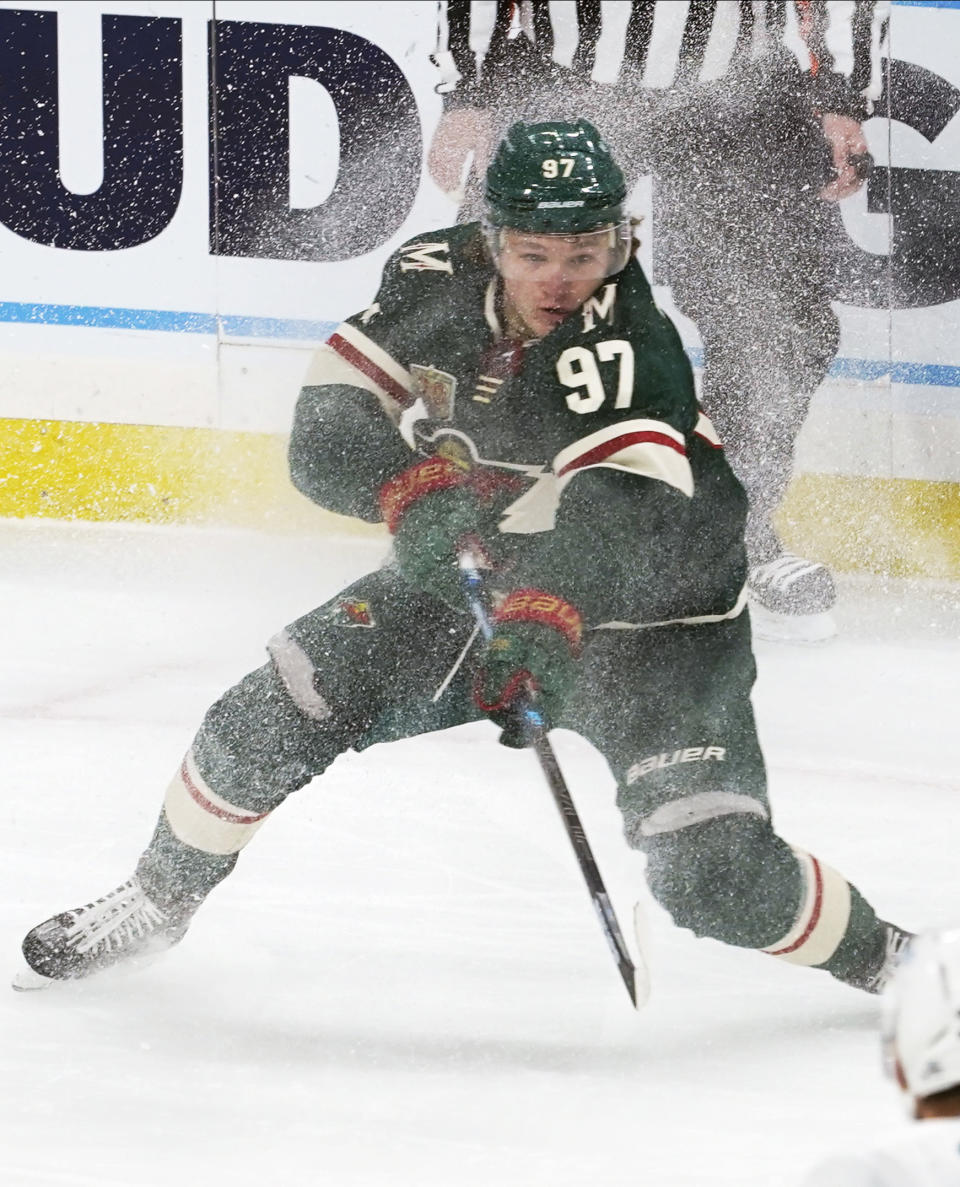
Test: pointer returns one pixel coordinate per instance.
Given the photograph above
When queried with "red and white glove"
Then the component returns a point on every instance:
(530, 662)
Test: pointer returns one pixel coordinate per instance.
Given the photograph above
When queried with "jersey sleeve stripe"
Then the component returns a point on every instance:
(648, 448)
(704, 428)
(372, 361)
(328, 366)
(601, 453)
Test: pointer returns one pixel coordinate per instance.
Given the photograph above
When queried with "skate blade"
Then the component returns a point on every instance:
(791, 628)
(642, 981)
(26, 980)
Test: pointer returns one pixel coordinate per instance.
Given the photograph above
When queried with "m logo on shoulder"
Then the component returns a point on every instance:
(422, 257)
(600, 305)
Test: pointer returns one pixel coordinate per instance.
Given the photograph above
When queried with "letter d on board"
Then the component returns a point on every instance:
(381, 147)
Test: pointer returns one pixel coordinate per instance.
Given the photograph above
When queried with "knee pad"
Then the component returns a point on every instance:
(729, 877)
(256, 744)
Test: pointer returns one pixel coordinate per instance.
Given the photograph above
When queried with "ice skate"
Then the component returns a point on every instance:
(878, 965)
(791, 599)
(896, 942)
(123, 927)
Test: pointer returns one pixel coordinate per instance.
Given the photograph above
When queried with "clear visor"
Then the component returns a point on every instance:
(534, 255)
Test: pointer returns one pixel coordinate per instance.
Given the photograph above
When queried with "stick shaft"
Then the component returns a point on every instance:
(588, 866)
(568, 811)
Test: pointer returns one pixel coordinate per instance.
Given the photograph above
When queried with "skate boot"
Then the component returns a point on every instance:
(791, 600)
(896, 942)
(875, 979)
(122, 927)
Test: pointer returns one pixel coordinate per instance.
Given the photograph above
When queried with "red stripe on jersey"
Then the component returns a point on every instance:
(814, 917)
(712, 444)
(601, 452)
(369, 368)
(197, 795)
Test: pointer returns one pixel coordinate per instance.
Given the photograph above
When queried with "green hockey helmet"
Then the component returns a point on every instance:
(557, 178)
(554, 178)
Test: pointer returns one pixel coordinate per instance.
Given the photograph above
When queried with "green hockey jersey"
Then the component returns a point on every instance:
(623, 502)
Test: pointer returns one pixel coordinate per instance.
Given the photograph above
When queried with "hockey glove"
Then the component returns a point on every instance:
(434, 510)
(530, 662)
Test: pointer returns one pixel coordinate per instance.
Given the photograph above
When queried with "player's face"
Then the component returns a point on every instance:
(547, 277)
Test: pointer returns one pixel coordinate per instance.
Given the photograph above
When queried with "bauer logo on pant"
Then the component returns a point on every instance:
(670, 758)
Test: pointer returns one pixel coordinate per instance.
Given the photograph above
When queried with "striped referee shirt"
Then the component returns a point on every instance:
(663, 43)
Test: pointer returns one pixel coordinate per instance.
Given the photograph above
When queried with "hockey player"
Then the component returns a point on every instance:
(515, 390)
(748, 118)
(921, 1047)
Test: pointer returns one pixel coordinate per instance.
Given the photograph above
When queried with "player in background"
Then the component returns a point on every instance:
(514, 389)
(748, 116)
(921, 1049)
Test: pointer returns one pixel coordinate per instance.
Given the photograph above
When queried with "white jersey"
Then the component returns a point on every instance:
(928, 1157)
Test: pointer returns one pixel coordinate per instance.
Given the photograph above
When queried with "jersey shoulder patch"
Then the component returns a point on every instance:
(443, 252)
(426, 255)
(430, 267)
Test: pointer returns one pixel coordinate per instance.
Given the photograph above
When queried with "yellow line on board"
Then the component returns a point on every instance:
(74, 470)
(901, 527)
(154, 474)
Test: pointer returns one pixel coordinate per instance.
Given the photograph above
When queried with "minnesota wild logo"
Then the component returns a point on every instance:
(350, 612)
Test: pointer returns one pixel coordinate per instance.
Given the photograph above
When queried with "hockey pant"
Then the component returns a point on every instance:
(669, 708)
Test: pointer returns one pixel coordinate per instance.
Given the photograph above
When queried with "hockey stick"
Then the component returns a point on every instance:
(637, 985)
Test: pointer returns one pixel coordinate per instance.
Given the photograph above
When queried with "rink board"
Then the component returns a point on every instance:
(152, 342)
(103, 472)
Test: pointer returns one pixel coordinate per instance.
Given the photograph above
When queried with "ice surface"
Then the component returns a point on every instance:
(403, 983)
